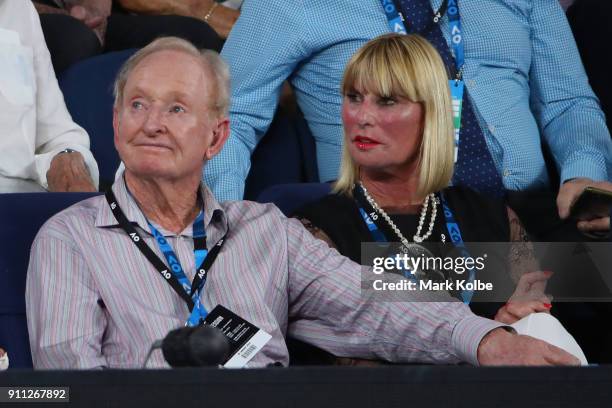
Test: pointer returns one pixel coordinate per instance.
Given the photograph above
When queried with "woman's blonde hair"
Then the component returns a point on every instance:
(407, 66)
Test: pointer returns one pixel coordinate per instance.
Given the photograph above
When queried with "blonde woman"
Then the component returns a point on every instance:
(397, 165)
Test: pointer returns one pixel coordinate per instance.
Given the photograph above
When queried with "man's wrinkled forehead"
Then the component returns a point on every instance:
(191, 76)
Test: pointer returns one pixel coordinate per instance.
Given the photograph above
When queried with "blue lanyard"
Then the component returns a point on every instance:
(190, 293)
(394, 18)
(455, 235)
(198, 312)
(456, 36)
(451, 225)
(376, 233)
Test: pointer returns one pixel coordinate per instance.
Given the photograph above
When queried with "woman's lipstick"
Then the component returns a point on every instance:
(365, 143)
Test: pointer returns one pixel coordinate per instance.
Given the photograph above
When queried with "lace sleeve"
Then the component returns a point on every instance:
(317, 232)
(522, 256)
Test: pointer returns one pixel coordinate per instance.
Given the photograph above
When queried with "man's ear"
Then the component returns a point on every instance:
(115, 125)
(220, 134)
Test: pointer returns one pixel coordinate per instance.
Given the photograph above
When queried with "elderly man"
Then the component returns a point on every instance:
(41, 148)
(95, 294)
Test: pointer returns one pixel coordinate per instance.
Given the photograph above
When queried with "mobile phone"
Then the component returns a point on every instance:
(592, 203)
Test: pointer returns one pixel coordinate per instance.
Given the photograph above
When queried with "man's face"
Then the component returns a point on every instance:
(165, 126)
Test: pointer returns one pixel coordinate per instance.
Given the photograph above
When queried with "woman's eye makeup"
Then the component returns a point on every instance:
(353, 96)
(387, 100)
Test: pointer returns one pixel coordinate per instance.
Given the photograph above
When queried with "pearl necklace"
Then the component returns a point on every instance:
(418, 238)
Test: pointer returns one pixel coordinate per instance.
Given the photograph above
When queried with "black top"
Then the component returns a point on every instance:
(480, 220)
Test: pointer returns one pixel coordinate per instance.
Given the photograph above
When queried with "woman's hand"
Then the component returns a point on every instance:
(528, 297)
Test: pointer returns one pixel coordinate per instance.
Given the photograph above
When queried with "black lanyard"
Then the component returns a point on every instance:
(200, 277)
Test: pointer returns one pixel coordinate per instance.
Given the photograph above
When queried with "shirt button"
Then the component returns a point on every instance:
(506, 173)
(492, 128)
(471, 83)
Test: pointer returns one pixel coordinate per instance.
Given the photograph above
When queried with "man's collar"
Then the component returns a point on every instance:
(128, 205)
(213, 212)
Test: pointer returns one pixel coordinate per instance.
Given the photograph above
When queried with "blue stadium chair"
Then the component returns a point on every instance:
(285, 155)
(88, 91)
(290, 197)
(21, 216)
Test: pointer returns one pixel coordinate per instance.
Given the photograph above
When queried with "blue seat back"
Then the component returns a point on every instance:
(285, 155)
(88, 91)
(21, 216)
(290, 197)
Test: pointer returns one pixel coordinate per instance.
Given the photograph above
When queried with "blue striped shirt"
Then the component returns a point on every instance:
(522, 69)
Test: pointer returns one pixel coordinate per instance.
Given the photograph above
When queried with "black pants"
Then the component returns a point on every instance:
(592, 37)
(70, 41)
(135, 31)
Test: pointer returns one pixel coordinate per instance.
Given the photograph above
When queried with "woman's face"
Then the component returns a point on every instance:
(382, 133)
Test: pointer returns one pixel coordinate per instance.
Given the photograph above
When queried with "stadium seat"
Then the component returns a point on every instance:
(290, 197)
(21, 216)
(285, 155)
(88, 91)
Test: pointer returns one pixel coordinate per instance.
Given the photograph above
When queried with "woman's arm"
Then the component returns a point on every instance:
(529, 295)
(317, 232)
(521, 257)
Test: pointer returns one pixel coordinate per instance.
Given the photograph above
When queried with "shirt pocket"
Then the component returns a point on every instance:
(17, 83)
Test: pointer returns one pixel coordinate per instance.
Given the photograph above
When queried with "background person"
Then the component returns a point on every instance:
(41, 148)
(79, 29)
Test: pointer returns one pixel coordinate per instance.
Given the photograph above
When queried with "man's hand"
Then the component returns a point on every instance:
(93, 13)
(88, 17)
(569, 192)
(500, 347)
(69, 173)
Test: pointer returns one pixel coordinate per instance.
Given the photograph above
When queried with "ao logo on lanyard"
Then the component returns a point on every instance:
(451, 8)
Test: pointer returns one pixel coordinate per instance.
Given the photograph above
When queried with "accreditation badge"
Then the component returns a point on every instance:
(245, 339)
(456, 87)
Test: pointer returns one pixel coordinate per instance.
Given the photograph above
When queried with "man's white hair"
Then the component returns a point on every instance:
(209, 58)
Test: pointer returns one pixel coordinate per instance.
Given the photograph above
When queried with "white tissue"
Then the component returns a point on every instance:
(546, 327)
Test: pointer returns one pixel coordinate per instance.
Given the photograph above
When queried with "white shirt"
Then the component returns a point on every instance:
(34, 122)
